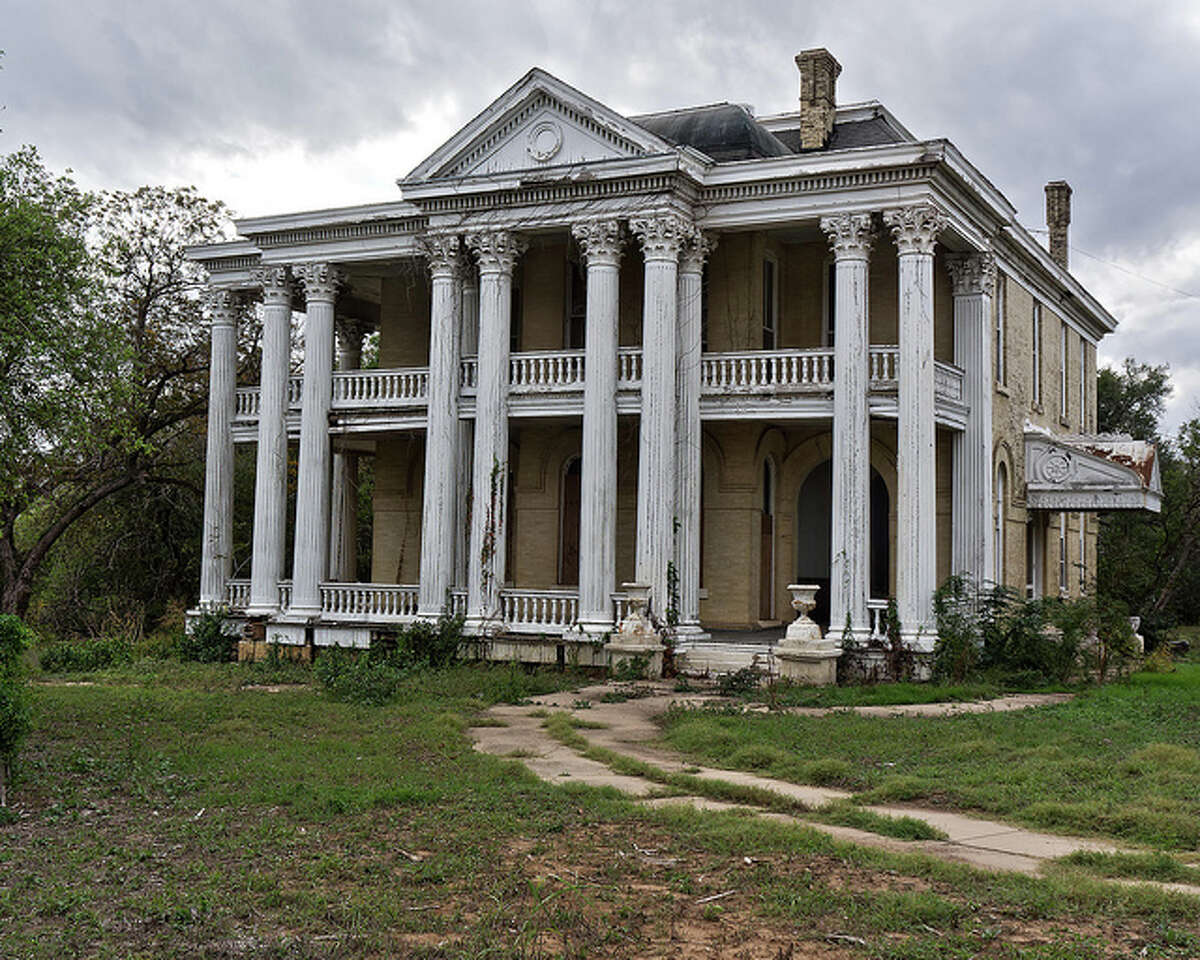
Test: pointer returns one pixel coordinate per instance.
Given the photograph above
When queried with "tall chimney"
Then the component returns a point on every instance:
(818, 83)
(1058, 218)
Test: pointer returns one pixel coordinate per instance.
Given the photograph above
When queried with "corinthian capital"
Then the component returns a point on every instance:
(661, 237)
(600, 240)
(497, 250)
(972, 273)
(222, 307)
(695, 251)
(444, 253)
(850, 235)
(276, 283)
(915, 228)
(321, 281)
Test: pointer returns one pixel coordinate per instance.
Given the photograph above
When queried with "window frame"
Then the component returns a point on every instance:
(1036, 355)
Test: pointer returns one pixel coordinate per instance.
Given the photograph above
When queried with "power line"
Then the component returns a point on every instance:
(1132, 273)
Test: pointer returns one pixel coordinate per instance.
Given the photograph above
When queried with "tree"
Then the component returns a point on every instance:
(1132, 399)
(104, 353)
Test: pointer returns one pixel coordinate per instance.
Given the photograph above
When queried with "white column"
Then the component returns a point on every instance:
(311, 553)
(270, 472)
(974, 278)
(438, 531)
(343, 533)
(915, 229)
(469, 284)
(497, 254)
(216, 551)
(662, 238)
(850, 237)
(688, 442)
(600, 243)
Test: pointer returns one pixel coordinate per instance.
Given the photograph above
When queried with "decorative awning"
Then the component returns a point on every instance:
(1090, 472)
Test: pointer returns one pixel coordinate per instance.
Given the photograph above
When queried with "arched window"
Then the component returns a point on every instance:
(1001, 515)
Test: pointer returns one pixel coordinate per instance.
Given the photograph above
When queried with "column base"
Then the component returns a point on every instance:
(477, 625)
(690, 632)
(261, 612)
(589, 631)
(919, 641)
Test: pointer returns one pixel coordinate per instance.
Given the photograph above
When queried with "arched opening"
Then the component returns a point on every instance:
(1001, 524)
(568, 523)
(814, 519)
(766, 579)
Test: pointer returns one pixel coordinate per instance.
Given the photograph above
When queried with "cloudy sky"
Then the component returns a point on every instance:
(275, 106)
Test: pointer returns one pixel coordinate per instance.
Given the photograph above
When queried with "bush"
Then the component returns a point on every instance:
(207, 641)
(85, 655)
(16, 714)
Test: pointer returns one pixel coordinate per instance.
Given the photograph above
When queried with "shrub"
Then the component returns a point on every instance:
(207, 641)
(86, 655)
(358, 677)
(739, 683)
(15, 708)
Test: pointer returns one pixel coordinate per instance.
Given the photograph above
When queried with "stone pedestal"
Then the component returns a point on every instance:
(804, 655)
(637, 638)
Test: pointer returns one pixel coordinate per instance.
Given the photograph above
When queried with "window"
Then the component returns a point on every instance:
(770, 305)
(1035, 392)
(1082, 553)
(1062, 371)
(704, 309)
(1034, 530)
(1001, 365)
(1083, 420)
(1062, 554)
(514, 322)
(1000, 518)
(575, 325)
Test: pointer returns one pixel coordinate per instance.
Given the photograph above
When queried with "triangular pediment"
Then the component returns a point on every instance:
(1090, 473)
(538, 122)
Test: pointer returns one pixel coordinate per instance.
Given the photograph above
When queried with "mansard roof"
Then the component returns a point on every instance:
(722, 131)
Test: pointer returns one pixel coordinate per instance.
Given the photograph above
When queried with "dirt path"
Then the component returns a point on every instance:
(629, 728)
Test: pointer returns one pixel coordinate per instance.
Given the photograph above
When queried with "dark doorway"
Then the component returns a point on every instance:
(568, 524)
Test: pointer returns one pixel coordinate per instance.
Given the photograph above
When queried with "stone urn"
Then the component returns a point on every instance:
(638, 639)
(804, 655)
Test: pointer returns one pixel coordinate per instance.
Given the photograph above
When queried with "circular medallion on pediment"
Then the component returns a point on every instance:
(544, 141)
(1056, 467)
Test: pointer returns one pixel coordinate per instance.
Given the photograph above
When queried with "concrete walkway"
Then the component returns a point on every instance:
(629, 728)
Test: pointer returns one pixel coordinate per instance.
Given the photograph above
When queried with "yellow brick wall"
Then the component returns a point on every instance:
(396, 531)
(404, 318)
(543, 281)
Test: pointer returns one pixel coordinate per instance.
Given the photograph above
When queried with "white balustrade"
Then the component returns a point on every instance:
(237, 594)
(877, 611)
(458, 603)
(285, 594)
(368, 601)
(248, 400)
(629, 367)
(620, 603)
(774, 370)
(539, 611)
(380, 388)
(536, 371)
(948, 381)
(469, 374)
(882, 369)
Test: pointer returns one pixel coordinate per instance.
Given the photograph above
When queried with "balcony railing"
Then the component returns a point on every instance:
(877, 613)
(778, 370)
(380, 388)
(629, 367)
(545, 370)
(948, 381)
(247, 402)
(237, 594)
(881, 366)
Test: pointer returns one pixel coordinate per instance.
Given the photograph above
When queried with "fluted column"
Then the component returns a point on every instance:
(497, 254)
(438, 531)
(216, 551)
(311, 553)
(850, 237)
(974, 278)
(600, 243)
(343, 533)
(915, 229)
(662, 238)
(469, 287)
(688, 442)
(270, 472)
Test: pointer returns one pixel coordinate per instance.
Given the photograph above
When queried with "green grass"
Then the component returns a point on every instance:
(175, 813)
(1136, 866)
(846, 814)
(1121, 761)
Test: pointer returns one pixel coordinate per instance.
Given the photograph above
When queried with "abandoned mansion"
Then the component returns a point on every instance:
(589, 369)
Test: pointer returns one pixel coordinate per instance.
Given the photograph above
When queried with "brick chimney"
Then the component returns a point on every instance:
(818, 84)
(1058, 218)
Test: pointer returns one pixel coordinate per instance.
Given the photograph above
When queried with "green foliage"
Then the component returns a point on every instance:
(739, 683)
(84, 656)
(206, 641)
(15, 707)
(377, 675)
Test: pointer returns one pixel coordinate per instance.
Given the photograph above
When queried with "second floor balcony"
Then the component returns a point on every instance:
(752, 384)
